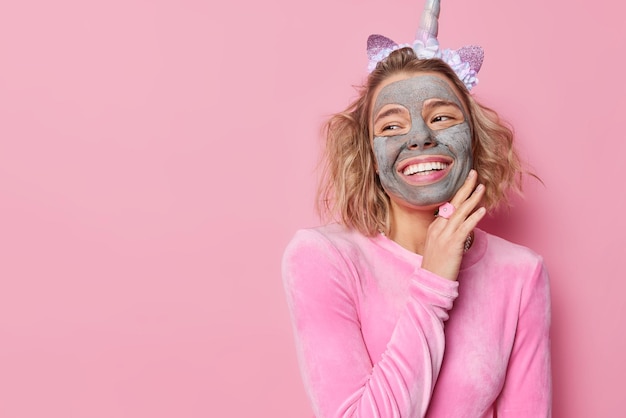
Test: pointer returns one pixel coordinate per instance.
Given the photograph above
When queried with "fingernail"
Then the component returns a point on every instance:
(480, 187)
(471, 174)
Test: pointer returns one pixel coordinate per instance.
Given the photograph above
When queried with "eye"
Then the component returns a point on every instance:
(392, 119)
(390, 127)
(441, 114)
(440, 118)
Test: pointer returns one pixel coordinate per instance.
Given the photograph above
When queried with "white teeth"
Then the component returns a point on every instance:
(423, 168)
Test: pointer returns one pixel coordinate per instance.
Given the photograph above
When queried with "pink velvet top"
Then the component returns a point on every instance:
(378, 336)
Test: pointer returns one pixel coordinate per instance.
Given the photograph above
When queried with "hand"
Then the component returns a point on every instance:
(445, 239)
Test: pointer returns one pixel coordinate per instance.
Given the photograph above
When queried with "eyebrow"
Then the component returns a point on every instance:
(439, 103)
(389, 112)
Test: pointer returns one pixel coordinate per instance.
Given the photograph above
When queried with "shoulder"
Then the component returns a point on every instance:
(513, 272)
(513, 261)
(332, 240)
(323, 259)
(509, 251)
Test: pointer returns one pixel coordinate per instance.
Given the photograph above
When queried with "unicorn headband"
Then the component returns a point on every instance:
(465, 61)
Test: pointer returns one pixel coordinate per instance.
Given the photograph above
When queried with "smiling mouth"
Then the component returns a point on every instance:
(423, 169)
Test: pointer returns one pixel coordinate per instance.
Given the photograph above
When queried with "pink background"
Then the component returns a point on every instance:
(156, 157)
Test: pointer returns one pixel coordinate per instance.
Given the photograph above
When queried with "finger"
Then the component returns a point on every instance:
(465, 190)
(471, 222)
(472, 201)
(466, 207)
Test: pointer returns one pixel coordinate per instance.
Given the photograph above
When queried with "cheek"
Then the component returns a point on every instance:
(384, 153)
(458, 140)
(464, 145)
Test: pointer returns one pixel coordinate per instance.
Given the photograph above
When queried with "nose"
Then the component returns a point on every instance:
(421, 143)
(420, 137)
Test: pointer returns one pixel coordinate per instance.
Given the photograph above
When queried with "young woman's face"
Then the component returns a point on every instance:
(421, 139)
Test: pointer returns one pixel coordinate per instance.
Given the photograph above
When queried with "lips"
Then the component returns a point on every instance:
(424, 169)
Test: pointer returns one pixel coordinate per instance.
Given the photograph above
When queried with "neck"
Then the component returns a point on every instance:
(408, 226)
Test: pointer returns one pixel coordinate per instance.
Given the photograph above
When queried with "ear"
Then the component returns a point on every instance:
(473, 55)
(376, 43)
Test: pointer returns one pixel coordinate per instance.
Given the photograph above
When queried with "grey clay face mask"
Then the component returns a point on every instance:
(446, 152)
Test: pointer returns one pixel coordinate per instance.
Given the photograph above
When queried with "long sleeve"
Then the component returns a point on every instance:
(527, 390)
(323, 289)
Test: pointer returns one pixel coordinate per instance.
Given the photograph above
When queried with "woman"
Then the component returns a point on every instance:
(404, 308)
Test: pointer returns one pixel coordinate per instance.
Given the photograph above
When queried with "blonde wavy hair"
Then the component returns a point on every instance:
(350, 191)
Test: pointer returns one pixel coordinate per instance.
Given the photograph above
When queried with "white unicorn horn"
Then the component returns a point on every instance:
(429, 22)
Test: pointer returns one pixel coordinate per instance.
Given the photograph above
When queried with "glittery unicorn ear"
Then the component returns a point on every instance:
(377, 43)
(378, 48)
(472, 54)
